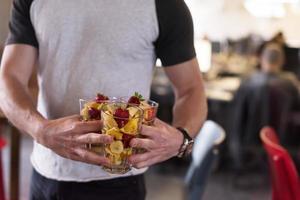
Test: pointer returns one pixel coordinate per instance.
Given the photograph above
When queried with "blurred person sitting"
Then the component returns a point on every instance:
(272, 59)
(267, 97)
(292, 61)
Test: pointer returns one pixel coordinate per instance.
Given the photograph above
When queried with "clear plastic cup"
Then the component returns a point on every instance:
(150, 112)
(149, 107)
(122, 129)
(91, 110)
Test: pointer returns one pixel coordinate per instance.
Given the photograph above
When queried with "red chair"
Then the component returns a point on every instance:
(285, 180)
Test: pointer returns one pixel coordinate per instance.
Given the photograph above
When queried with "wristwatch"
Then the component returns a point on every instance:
(187, 145)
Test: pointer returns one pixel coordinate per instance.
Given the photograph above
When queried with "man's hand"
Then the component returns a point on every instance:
(162, 142)
(69, 136)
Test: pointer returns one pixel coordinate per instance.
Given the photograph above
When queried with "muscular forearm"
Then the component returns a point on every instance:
(64, 136)
(190, 110)
(18, 106)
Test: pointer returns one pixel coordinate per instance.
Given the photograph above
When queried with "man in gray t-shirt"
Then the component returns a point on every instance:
(83, 47)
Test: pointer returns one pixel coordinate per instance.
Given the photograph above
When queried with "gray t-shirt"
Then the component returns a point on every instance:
(94, 46)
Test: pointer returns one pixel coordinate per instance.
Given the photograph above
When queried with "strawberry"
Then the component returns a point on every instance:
(136, 99)
(121, 116)
(100, 98)
(126, 140)
(94, 113)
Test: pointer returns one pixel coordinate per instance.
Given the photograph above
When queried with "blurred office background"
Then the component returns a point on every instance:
(248, 51)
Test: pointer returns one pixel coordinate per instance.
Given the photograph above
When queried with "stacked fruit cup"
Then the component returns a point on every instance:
(150, 110)
(91, 110)
(123, 122)
(122, 119)
(148, 106)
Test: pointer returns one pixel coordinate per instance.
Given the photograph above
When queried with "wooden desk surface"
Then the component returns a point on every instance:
(222, 89)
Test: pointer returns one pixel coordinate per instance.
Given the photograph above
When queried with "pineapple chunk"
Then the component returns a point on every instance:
(108, 121)
(117, 159)
(95, 105)
(85, 114)
(133, 111)
(115, 132)
(131, 127)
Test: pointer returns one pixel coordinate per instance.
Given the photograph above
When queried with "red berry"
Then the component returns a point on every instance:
(122, 113)
(121, 116)
(100, 98)
(134, 100)
(126, 140)
(94, 113)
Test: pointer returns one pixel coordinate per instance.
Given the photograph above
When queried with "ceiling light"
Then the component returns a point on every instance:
(267, 8)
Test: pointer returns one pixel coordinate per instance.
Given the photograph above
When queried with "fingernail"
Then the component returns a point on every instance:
(133, 144)
(107, 139)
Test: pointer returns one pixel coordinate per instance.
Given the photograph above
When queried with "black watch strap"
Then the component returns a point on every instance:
(185, 133)
(187, 141)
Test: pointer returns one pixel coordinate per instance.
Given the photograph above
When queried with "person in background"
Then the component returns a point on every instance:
(256, 101)
(272, 59)
(291, 54)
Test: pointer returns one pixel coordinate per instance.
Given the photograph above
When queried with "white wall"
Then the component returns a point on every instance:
(221, 19)
(4, 16)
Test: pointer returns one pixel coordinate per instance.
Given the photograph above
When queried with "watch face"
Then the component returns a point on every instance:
(189, 148)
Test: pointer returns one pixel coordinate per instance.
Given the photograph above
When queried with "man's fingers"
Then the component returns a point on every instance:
(149, 131)
(137, 158)
(88, 126)
(94, 138)
(158, 122)
(90, 157)
(144, 143)
(73, 117)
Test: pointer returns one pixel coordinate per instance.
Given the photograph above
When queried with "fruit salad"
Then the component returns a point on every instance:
(122, 122)
(91, 110)
(122, 118)
(148, 106)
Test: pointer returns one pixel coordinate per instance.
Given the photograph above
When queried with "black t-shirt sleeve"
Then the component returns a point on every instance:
(21, 30)
(175, 43)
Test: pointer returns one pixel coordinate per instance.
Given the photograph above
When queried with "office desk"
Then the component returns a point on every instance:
(222, 89)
